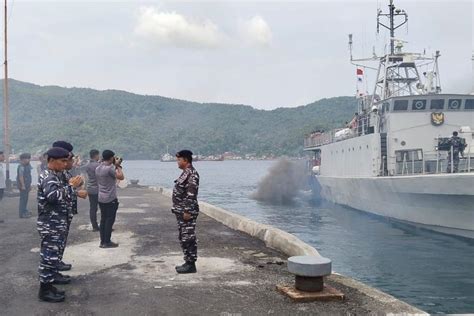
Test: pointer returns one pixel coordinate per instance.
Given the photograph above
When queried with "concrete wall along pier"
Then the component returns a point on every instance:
(290, 245)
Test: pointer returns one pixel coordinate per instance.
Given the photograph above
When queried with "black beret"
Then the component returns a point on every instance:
(57, 153)
(25, 156)
(63, 144)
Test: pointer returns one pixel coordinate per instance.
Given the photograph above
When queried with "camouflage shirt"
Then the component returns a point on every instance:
(53, 195)
(72, 201)
(457, 144)
(185, 192)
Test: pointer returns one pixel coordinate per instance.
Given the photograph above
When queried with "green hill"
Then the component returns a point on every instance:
(140, 127)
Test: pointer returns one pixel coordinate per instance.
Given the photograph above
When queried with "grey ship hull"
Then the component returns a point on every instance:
(443, 202)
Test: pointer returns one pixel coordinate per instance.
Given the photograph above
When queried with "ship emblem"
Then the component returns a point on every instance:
(437, 118)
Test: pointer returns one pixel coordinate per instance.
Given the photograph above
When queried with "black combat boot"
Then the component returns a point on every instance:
(57, 291)
(47, 293)
(110, 244)
(61, 279)
(64, 266)
(187, 267)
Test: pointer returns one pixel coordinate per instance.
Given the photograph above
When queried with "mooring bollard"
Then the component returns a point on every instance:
(309, 272)
(309, 285)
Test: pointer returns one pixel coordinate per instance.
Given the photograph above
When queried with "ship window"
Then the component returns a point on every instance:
(469, 104)
(418, 105)
(409, 155)
(385, 107)
(400, 105)
(454, 104)
(437, 104)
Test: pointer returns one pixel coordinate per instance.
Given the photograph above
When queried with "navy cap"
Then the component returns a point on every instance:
(63, 144)
(57, 153)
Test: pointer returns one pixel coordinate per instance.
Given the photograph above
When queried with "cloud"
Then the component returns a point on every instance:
(167, 28)
(171, 28)
(256, 31)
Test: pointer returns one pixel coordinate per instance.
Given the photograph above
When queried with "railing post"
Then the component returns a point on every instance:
(404, 165)
(469, 160)
(437, 162)
(423, 162)
(452, 162)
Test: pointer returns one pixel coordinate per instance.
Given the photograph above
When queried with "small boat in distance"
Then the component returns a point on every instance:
(167, 158)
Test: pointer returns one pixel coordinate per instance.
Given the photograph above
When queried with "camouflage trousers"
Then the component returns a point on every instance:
(63, 245)
(455, 163)
(52, 230)
(187, 237)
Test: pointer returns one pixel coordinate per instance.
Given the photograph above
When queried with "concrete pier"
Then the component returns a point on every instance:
(237, 271)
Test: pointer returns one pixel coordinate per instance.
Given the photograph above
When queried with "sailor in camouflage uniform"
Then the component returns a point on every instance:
(186, 209)
(457, 147)
(52, 223)
(72, 202)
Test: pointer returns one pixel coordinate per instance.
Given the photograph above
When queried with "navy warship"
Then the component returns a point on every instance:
(395, 158)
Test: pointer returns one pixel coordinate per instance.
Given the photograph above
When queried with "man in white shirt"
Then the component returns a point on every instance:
(2, 182)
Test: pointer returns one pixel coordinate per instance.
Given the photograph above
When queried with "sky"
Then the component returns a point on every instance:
(266, 54)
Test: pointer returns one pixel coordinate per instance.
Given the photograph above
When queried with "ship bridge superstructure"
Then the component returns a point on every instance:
(398, 73)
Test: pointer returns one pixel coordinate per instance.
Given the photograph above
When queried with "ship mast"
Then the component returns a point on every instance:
(397, 71)
(393, 13)
(391, 75)
(6, 110)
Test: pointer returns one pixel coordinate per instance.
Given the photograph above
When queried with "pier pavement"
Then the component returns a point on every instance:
(237, 274)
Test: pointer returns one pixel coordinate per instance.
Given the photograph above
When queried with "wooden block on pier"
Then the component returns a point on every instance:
(328, 294)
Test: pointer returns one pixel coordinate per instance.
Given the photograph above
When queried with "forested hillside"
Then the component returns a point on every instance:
(140, 127)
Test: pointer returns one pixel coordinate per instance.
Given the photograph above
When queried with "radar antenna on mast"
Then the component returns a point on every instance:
(398, 72)
(393, 14)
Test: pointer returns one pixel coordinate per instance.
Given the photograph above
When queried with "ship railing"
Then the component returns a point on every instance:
(335, 135)
(318, 139)
(436, 162)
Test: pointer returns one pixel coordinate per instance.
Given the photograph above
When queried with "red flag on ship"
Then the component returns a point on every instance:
(360, 72)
